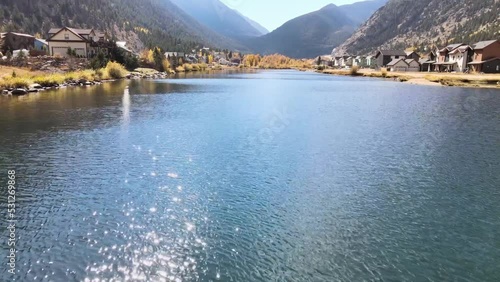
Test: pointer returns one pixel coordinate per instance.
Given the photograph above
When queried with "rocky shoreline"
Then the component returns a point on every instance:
(35, 87)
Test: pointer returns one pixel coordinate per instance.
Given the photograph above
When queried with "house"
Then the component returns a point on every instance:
(384, 57)
(339, 62)
(123, 46)
(41, 44)
(370, 61)
(349, 61)
(11, 41)
(325, 60)
(173, 54)
(443, 62)
(398, 65)
(359, 61)
(413, 65)
(412, 55)
(461, 56)
(84, 42)
(486, 56)
(236, 61)
(427, 62)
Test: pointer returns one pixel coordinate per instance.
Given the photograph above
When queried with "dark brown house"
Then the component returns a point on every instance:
(486, 57)
(427, 61)
(11, 41)
(384, 57)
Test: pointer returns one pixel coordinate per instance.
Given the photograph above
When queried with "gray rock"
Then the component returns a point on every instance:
(36, 86)
(19, 91)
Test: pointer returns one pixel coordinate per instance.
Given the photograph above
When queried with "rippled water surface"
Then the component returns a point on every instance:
(265, 176)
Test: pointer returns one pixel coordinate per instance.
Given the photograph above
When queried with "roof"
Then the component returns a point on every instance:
(409, 61)
(19, 34)
(43, 41)
(392, 52)
(483, 44)
(451, 47)
(482, 62)
(446, 63)
(67, 28)
(395, 61)
(425, 61)
(460, 49)
(78, 31)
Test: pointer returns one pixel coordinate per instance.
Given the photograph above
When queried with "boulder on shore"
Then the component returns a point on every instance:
(19, 91)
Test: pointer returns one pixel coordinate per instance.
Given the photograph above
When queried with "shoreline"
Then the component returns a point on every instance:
(490, 81)
(139, 73)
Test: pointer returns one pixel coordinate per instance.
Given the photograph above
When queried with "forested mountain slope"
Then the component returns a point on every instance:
(142, 23)
(408, 23)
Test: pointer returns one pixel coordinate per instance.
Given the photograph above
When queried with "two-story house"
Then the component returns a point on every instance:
(461, 56)
(486, 56)
(384, 57)
(82, 41)
(443, 62)
(427, 61)
(10, 41)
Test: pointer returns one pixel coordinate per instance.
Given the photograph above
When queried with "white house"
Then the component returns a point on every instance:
(370, 61)
(359, 61)
(341, 62)
(460, 56)
(79, 40)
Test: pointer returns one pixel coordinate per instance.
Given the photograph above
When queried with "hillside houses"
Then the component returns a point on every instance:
(482, 56)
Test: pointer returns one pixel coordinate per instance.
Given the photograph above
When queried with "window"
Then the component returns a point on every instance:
(66, 36)
(397, 57)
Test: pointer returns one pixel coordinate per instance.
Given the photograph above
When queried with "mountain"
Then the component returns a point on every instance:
(424, 23)
(220, 18)
(255, 24)
(144, 23)
(315, 33)
(361, 11)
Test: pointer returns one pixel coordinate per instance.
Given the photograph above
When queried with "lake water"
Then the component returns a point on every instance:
(263, 176)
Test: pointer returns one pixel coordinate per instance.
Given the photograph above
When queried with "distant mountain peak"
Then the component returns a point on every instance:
(315, 33)
(220, 18)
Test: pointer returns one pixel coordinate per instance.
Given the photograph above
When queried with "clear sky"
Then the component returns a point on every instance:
(273, 13)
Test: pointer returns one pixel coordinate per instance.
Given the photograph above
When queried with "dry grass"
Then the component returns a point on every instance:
(24, 78)
(448, 79)
(15, 82)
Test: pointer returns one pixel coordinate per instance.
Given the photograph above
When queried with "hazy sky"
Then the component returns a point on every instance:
(273, 13)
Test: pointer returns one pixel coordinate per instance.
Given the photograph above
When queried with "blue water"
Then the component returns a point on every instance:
(262, 176)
